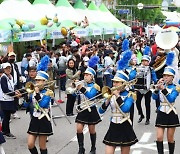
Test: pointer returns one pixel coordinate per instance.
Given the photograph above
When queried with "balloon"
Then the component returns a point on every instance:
(20, 22)
(25, 28)
(77, 40)
(50, 24)
(117, 37)
(16, 28)
(139, 57)
(55, 19)
(44, 21)
(31, 26)
(44, 42)
(64, 31)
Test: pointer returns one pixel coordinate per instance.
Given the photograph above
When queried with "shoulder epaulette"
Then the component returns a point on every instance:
(49, 93)
(133, 94)
(178, 89)
(96, 86)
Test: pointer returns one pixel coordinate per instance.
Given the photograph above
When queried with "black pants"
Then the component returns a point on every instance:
(62, 80)
(5, 122)
(70, 103)
(147, 103)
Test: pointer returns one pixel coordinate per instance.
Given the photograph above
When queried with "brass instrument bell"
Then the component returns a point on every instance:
(29, 87)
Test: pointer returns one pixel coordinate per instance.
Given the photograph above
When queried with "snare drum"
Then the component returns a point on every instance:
(143, 79)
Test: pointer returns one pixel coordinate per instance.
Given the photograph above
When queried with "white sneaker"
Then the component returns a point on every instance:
(15, 116)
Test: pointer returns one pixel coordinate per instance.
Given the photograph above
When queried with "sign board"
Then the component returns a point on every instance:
(123, 11)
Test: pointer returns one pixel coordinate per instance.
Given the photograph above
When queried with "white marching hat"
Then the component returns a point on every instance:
(42, 75)
(166, 39)
(169, 71)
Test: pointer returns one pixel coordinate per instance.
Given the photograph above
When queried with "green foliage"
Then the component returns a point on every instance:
(146, 15)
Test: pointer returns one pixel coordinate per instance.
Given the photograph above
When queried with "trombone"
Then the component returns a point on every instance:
(30, 87)
(106, 93)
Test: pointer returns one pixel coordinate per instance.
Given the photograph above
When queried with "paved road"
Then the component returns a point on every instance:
(64, 141)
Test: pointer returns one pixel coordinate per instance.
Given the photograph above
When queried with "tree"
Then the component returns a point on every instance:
(151, 15)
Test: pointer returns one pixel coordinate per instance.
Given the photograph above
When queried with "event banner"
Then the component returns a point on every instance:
(5, 36)
(29, 36)
(80, 32)
(97, 32)
(54, 34)
(109, 30)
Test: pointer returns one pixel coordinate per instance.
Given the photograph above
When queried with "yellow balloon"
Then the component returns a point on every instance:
(44, 42)
(44, 21)
(64, 31)
(20, 22)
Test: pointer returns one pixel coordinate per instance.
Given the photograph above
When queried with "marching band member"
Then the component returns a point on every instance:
(120, 132)
(156, 60)
(167, 40)
(129, 59)
(31, 78)
(144, 90)
(89, 90)
(40, 125)
(167, 116)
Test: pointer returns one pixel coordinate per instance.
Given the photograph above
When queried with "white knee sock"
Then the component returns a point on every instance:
(2, 149)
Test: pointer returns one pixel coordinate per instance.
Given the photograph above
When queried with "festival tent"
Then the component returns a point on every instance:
(19, 9)
(66, 11)
(96, 16)
(44, 8)
(120, 27)
(171, 16)
(92, 28)
(3, 13)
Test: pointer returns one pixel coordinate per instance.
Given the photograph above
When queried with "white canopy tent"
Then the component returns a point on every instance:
(21, 9)
(172, 16)
(3, 13)
(67, 12)
(44, 8)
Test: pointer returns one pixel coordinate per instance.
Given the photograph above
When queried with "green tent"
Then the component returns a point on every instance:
(114, 22)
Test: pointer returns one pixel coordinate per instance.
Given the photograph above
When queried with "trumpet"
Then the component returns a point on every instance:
(71, 86)
(106, 93)
(30, 87)
(155, 87)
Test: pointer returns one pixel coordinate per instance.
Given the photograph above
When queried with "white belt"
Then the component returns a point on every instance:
(43, 112)
(171, 107)
(122, 117)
